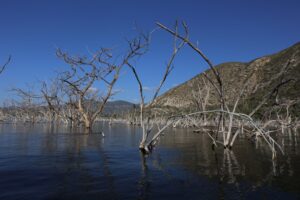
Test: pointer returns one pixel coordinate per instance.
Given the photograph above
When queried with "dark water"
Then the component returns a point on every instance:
(43, 162)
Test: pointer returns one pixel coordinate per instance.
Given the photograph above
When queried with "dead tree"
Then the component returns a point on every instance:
(2, 68)
(225, 113)
(50, 97)
(58, 105)
(281, 81)
(29, 107)
(85, 73)
(215, 81)
(200, 98)
(145, 123)
(281, 118)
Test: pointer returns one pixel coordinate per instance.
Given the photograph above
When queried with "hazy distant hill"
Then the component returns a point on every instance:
(233, 75)
(118, 107)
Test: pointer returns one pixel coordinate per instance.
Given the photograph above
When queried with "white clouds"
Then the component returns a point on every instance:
(93, 89)
(118, 90)
(149, 89)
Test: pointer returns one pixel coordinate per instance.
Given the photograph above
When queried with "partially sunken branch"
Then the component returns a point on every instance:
(145, 124)
(227, 117)
(219, 87)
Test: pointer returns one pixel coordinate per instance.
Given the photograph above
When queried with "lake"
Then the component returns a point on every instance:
(49, 162)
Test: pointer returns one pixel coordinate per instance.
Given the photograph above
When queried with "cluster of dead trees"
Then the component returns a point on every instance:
(225, 122)
(78, 95)
(80, 85)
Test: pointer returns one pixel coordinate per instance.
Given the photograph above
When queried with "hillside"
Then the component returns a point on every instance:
(265, 77)
(117, 107)
(112, 108)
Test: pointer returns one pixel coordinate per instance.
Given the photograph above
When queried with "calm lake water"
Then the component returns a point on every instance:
(43, 162)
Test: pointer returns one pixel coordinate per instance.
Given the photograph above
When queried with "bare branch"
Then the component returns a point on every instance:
(169, 67)
(275, 90)
(2, 68)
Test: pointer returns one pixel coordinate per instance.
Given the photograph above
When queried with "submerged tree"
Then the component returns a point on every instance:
(227, 121)
(145, 118)
(85, 76)
(28, 107)
(227, 113)
(59, 102)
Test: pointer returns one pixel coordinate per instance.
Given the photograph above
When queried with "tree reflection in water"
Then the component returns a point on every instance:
(248, 163)
(56, 162)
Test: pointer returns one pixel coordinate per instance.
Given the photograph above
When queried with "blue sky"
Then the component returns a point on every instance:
(228, 30)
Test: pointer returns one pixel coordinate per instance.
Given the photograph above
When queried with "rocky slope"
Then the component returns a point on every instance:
(266, 73)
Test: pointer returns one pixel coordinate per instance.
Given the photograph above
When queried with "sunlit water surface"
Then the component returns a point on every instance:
(44, 162)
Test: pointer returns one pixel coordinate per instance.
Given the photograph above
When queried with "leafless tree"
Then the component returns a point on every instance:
(200, 98)
(28, 107)
(50, 95)
(281, 81)
(225, 112)
(102, 68)
(147, 127)
(59, 104)
(2, 68)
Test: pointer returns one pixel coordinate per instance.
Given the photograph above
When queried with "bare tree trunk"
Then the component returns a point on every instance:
(145, 124)
(84, 73)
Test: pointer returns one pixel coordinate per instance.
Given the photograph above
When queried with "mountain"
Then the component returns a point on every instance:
(112, 108)
(118, 107)
(266, 73)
